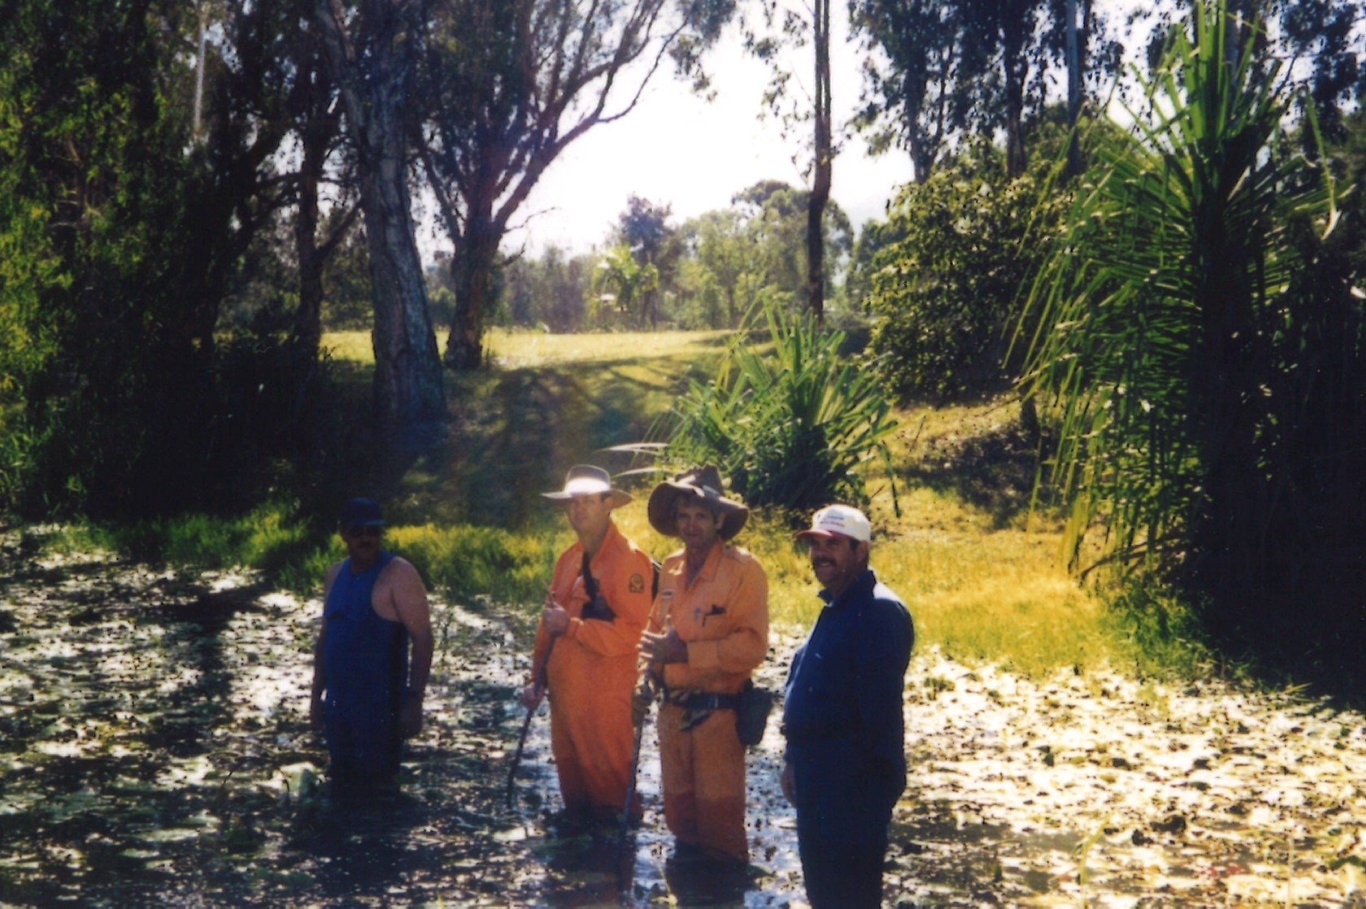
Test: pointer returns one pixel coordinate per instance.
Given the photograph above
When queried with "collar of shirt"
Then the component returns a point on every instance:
(862, 586)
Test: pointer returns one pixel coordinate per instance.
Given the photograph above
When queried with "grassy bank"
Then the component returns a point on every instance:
(981, 573)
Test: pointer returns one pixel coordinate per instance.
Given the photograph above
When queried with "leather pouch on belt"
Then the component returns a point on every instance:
(751, 716)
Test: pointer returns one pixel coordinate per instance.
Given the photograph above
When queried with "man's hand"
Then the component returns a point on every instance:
(788, 780)
(640, 705)
(410, 714)
(556, 620)
(659, 649)
(532, 695)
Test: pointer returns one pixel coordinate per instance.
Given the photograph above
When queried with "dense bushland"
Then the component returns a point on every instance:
(1204, 347)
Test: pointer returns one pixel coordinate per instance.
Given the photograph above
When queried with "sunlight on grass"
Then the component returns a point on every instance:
(517, 349)
(350, 345)
(982, 576)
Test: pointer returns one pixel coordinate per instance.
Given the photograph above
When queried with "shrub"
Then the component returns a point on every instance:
(791, 426)
(943, 293)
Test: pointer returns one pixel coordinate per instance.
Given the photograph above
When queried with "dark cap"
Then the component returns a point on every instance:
(361, 513)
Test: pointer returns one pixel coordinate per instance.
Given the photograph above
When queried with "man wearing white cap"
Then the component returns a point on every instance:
(845, 757)
(598, 604)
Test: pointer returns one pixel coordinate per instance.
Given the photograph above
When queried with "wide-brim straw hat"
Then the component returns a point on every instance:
(702, 483)
(588, 480)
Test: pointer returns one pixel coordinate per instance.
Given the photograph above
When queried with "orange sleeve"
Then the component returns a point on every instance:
(561, 584)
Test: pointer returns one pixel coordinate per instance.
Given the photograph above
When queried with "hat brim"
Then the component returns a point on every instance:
(660, 509)
(616, 496)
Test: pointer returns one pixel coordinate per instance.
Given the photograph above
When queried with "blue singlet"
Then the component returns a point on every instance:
(365, 662)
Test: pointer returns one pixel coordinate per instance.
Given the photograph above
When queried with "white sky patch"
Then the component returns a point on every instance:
(677, 149)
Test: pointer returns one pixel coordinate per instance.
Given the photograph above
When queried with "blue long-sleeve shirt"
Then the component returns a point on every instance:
(842, 713)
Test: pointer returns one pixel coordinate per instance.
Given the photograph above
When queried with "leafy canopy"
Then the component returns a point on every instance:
(1165, 316)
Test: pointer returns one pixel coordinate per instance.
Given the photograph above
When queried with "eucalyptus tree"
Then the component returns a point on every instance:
(1326, 36)
(776, 218)
(716, 243)
(550, 291)
(645, 230)
(325, 173)
(939, 70)
(1190, 334)
(783, 25)
(908, 76)
(511, 83)
(372, 49)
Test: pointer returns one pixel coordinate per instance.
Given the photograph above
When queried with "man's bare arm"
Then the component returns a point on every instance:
(409, 598)
(315, 703)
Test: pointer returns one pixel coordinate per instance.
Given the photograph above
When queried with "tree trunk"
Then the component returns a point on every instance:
(1074, 73)
(307, 335)
(821, 179)
(1015, 66)
(472, 273)
(409, 398)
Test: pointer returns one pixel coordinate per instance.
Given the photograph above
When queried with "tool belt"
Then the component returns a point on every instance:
(701, 700)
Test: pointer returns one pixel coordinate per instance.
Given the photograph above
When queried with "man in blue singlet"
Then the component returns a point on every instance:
(366, 697)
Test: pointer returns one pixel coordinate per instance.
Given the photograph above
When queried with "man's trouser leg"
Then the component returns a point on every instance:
(703, 776)
(363, 748)
(842, 820)
(593, 746)
(837, 876)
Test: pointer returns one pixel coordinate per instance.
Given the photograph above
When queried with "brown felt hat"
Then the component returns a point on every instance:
(700, 482)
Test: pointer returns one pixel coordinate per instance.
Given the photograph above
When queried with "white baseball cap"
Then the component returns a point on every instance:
(839, 519)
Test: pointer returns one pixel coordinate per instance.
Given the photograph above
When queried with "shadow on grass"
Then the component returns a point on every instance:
(993, 469)
(515, 433)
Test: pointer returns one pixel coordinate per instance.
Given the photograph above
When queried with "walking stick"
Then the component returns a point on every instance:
(526, 724)
(647, 691)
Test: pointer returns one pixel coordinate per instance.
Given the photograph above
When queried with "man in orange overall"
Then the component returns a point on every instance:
(708, 631)
(586, 650)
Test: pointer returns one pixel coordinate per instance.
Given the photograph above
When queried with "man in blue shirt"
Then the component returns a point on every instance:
(846, 763)
(366, 696)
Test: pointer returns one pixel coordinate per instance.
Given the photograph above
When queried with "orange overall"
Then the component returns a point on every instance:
(722, 615)
(592, 673)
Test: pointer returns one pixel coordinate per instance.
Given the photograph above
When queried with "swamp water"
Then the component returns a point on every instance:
(154, 750)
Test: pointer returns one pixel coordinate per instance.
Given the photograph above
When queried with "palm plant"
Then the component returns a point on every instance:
(1159, 313)
(793, 426)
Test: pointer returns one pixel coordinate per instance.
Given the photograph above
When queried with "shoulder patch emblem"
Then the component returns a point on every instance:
(637, 583)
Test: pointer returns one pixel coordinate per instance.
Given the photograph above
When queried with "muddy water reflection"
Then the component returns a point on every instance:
(154, 750)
